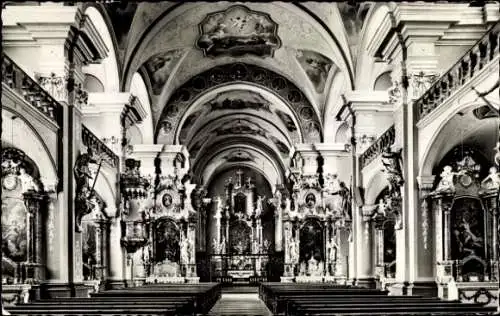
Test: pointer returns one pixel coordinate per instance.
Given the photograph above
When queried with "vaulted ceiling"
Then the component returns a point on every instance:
(227, 75)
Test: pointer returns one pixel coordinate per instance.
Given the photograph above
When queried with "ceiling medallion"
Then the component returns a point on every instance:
(238, 31)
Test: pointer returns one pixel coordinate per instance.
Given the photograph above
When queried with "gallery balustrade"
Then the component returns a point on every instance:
(15, 78)
(99, 147)
(376, 149)
(474, 60)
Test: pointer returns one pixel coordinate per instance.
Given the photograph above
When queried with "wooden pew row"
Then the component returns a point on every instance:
(148, 300)
(275, 296)
(388, 309)
(295, 299)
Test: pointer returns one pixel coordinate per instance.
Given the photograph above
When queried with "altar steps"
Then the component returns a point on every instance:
(239, 289)
(247, 304)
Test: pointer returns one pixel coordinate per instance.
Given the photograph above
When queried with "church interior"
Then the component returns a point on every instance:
(322, 158)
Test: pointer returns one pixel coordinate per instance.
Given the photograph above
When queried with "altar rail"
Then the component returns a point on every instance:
(384, 141)
(14, 77)
(99, 147)
(475, 59)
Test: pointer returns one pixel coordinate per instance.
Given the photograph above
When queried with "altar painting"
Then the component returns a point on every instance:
(14, 239)
(311, 242)
(240, 235)
(468, 236)
(167, 246)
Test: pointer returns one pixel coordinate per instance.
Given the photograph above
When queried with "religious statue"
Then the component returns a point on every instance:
(27, 181)
(319, 269)
(392, 165)
(215, 246)
(222, 246)
(84, 193)
(332, 183)
(312, 265)
(302, 269)
(380, 209)
(345, 193)
(332, 250)
(258, 206)
(218, 210)
(492, 181)
(446, 184)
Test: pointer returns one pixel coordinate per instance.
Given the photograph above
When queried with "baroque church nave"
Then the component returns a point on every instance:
(344, 144)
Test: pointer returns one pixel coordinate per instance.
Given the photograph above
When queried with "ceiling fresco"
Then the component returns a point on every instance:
(159, 67)
(239, 155)
(239, 100)
(183, 97)
(238, 31)
(316, 66)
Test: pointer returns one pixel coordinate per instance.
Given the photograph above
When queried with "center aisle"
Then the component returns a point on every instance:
(240, 304)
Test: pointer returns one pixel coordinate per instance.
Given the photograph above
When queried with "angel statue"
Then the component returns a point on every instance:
(493, 178)
(380, 209)
(446, 184)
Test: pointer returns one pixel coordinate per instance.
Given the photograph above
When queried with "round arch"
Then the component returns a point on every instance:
(375, 185)
(108, 70)
(439, 144)
(341, 52)
(139, 89)
(22, 135)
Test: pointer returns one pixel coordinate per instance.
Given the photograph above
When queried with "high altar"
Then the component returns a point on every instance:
(239, 248)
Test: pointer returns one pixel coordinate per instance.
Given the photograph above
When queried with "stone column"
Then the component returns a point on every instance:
(117, 256)
(278, 227)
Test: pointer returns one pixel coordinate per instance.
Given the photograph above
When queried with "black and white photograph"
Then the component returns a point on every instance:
(238, 158)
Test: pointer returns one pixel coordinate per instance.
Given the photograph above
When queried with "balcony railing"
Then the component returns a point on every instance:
(384, 141)
(99, 148)
(475, 59)
(14, 77)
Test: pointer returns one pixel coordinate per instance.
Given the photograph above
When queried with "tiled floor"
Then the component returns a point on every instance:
(247, 304)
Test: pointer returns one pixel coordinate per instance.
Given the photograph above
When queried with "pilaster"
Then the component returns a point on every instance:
(369, 107)
(109, 114)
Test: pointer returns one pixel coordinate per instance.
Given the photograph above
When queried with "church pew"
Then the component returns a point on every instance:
(275, 296)
(206, 294)
(378, 310)
(147, 300)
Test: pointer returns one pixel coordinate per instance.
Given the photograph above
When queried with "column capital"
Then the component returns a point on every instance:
(426, 183)
(106, 102)
(367, 100)
(331, 149)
